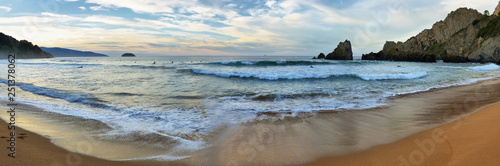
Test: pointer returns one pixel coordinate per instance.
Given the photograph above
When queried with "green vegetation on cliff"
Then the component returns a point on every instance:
(22, 49)
(490, 30)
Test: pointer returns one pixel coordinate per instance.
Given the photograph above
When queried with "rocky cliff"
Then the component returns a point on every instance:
(342, 52)
(465, 35)
(497, 9)
(22, 49)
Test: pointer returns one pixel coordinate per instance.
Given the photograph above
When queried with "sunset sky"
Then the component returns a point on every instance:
(222, 27)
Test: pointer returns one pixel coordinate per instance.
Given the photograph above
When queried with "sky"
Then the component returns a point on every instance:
(222, 27)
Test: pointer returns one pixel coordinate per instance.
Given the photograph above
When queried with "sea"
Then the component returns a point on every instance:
(186, 99)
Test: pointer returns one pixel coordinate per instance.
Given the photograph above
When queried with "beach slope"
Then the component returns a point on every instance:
(469, 140)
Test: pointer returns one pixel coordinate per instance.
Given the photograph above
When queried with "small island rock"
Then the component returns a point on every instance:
(342, 52)
(128, 55)
(321, 56)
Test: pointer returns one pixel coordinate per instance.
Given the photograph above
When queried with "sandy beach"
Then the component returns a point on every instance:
(470, 140)
(464, 138)
(34, 149)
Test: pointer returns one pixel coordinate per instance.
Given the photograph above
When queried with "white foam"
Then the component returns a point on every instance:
(305, 74)
(164, 157)
(234, 62)
(490, 66)
(404, 76)
(247, 63)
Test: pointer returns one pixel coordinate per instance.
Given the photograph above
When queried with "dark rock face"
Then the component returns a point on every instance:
(22, 49)
(465, 35)
(321, 56)
(342, 52)
(407, 56)
(128, 55)
(388, 44)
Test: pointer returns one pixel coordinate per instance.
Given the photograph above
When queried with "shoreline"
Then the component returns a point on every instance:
(40, 150)
(34, 149)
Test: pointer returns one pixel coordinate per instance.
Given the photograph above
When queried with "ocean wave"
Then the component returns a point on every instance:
(269, 63)
(69, 60)
(74, 97)
(490, 66)
(150, 67)
(64, 64)
(403, 76)
(292, 76)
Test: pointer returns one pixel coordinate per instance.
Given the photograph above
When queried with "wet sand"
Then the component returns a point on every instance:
(377, 136)
(34, 149)
(471, 140)
(302, 139)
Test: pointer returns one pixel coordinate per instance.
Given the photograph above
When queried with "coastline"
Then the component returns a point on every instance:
(35, 149)
(39, 150)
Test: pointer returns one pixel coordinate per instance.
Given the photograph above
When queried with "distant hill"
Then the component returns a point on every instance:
(22, 49)
(64, 52)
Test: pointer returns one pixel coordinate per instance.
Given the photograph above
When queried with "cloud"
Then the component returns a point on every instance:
(5, 8)
(97, 8)
(145, 6)
(230, 27)
(111, 20)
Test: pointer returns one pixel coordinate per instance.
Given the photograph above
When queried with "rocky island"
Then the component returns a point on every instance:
(128, 55)
(465, 35)
(22, 49)
(342, 52)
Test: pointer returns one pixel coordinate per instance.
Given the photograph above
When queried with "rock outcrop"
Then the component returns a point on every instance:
(128, 55)
(465, 35)
(320, 56)
(497, 9)
(342, 52)
(22, 49)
